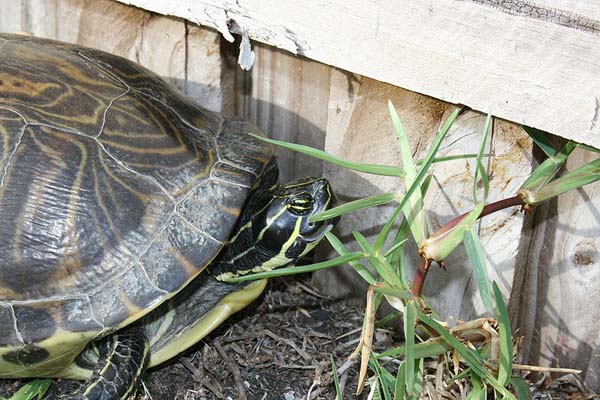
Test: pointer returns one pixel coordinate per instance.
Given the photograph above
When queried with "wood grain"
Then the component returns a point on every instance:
(287, 97)
(525, 64)
(557, 282)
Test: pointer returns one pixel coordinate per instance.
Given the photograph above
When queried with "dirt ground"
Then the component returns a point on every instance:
(280, 348)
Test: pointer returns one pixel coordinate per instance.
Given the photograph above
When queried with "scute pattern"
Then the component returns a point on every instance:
(122, 190)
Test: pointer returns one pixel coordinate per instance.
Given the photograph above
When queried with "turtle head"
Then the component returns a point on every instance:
(277, 230)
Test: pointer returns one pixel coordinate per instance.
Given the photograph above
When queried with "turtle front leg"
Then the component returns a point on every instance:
(123, 358)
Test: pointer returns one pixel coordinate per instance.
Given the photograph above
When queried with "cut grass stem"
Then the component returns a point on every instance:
(488, 209)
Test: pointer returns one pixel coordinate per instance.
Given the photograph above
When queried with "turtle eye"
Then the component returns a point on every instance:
(301, 203)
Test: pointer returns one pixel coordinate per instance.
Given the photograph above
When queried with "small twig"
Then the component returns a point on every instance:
(314, 384)
(198, 377)
(289, 342)
(352, 332)
(296, 366)
(312, 291)
(146, 392)
(233, 368)
(536, 368)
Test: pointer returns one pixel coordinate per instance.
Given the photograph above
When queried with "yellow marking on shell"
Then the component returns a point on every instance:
(70, 261)
(141, 150)
(18, 86)
(132, 309)
(100, 202)
(189, 268)
(229, 210)
(229, 305)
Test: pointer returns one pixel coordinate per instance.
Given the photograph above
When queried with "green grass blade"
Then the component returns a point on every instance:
(418, 381)
(506, 348)
(399, 293)
(521, 388)
(480, 171)
(398, 257)
(430, 348)
(470, 356)
(400, 387)
(541, 139)
(579, 177)
(389, 318)
(588, 147)
(426, 164)
(409, 347)
(385, 231)
(455, 157)
(371, 201)
(413, 211)
(385, 378)
(547, 170)
(299, 270)
(33, 390)
(381, 265)
(394, 248)
(336, 379)
(477, 258)
(375, 169)
(355, 264)
(478, 389)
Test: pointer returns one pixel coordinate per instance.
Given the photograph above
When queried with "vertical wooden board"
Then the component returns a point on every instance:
(454, 292)
(287, 98)
(209, 80)
(13, 15)
(360, 130)
(557, 282)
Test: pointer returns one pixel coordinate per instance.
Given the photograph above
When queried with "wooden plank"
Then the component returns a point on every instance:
(358, 105)
(287, 98)
(529, 64)
(557, 282)
(454, 291)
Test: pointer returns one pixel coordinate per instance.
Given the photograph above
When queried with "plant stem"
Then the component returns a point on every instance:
(420, 276)
(488, 209)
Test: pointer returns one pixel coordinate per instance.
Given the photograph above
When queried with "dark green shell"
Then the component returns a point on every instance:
(115, 189)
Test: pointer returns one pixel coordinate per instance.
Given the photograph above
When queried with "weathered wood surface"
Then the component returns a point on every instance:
(555, 271)
(529, 62)
(557, 285)
(361, 130)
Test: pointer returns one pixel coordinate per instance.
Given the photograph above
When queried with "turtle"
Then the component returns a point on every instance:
(124, 209)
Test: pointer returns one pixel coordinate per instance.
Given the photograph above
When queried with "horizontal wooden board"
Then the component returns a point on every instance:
(529, 63)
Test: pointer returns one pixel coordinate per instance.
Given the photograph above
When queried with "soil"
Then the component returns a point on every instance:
(281, 348)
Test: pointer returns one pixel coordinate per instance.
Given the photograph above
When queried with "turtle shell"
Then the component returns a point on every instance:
(115, 192)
